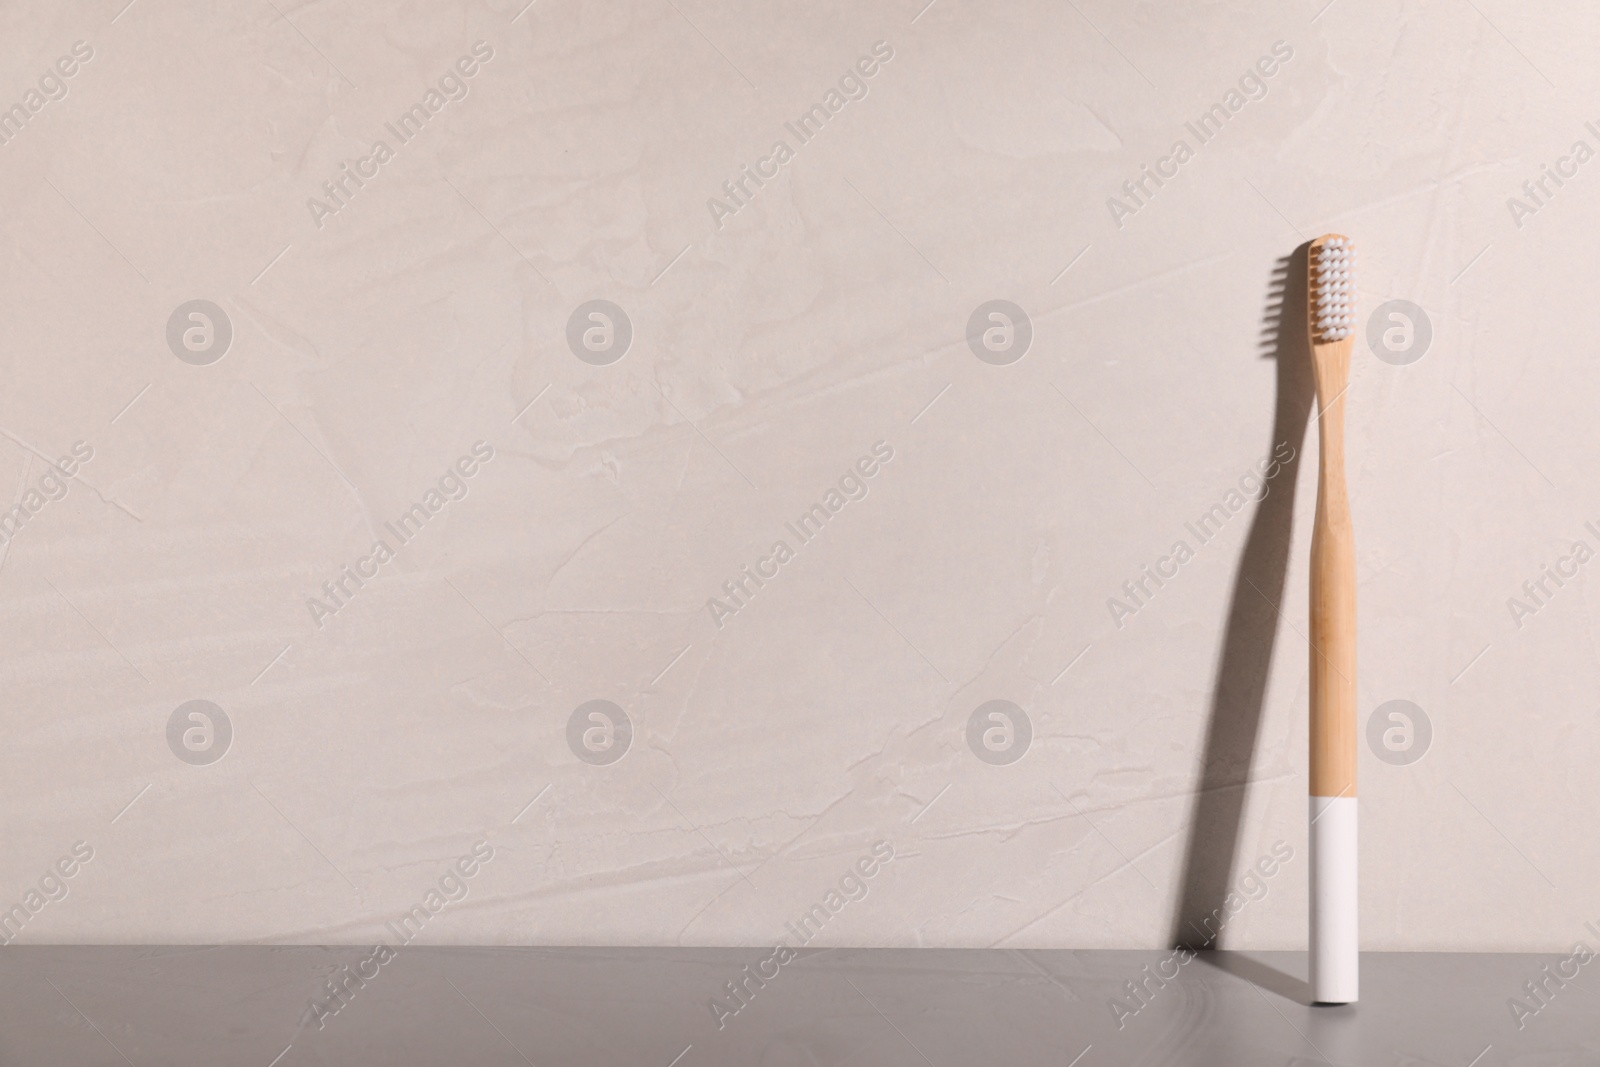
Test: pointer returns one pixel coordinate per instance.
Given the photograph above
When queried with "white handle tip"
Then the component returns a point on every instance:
(1335, 940)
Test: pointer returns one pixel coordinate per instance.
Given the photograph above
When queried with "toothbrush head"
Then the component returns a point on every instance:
(1332, 289)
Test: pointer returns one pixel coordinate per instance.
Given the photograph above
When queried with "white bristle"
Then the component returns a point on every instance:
(1332, 274)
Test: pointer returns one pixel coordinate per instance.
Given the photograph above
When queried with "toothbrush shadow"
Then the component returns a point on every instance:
(1240, 687)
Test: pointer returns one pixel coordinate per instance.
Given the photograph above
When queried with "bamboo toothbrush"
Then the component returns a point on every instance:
(1335, 950)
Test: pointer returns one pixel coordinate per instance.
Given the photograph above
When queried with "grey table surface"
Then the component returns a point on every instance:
(671, 1007)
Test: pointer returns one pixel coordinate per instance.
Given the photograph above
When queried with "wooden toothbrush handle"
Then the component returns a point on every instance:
(1333, 620)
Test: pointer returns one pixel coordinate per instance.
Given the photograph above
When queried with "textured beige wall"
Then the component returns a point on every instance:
(590, 480)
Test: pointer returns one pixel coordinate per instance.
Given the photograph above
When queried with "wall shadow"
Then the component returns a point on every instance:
(1239, 689)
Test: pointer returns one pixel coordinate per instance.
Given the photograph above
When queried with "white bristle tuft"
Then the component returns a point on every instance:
(1332, 280)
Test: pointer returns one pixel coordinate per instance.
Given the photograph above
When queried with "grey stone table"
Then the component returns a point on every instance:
(296, 1006)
